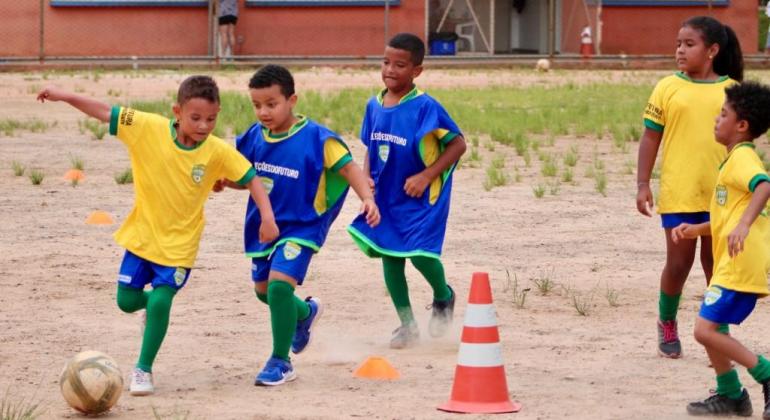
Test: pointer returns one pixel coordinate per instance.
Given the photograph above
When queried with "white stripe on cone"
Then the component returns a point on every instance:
(480, 315)
(480, 355)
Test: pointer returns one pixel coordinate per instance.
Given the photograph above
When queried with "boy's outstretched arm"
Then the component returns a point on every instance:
(758, 201)
(268, 230)
(416, 184)
(361, 185)
(89, 106)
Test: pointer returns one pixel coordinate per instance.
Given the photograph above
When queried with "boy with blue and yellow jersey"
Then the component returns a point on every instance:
(306, 169)
(175, 163)
(412, 148)
(740, 232)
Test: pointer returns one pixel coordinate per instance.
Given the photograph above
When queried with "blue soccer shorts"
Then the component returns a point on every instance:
(672, 220)
(288, 258)
(136, 272)
(725, 306)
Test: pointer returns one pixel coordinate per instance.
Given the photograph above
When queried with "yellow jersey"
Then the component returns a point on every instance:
(171, 185)
(684, 111)
(740, 173)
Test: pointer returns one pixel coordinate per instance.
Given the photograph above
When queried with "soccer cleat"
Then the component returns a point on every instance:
(141, 383)
(302, 334)
(766, 393)
(443, 313)
(404, 336)
(668, 340)
(276, 372)
(720, 405)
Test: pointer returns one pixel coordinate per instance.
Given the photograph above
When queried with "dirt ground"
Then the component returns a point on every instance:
(58, 275)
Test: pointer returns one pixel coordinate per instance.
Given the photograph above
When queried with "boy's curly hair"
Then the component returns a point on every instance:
(273, 74)
(751, 102)
(203, 87)
(409, 42)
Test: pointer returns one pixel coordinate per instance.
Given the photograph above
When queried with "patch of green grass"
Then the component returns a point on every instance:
(538, 190)
(8, 126)
(18, 168)
(36, 176)
(125, 177)
(571, 157)
(554, 188)
(582, 303)
(496, 177)
(97, 128)
(566, 175)
(549, 168)
(601, 183)
(612, 296)
(19, 410)
(76, 162)
(544, 281)
(512, 286)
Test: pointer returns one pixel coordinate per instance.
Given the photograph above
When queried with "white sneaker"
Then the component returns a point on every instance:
(141, 383)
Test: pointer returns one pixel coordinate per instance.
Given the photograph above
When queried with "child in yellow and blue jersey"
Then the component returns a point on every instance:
(306, 169)
(412, 148)
(175, 163)
(677, 116)
(740, 232)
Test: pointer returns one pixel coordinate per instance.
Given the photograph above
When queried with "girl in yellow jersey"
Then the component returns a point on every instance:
(740, 229)
(678, 116)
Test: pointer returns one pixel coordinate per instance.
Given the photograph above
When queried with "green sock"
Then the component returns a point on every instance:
(724, 329)
(262, 297)
(283, 316)
(667, 306)
(433, 271)
(303, 310)
(395, 280)
(761, 372)
(729, 385)
(158, 311)
(131, 299)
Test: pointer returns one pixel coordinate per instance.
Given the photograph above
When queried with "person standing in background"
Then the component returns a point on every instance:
(228, 17)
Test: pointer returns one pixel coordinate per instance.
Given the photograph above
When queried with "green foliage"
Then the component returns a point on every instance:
(538, 190)
(76, 162)
(36, 177)
(19, 410)
(18, 168)
(96, 127)
(8, 127)
(125, 177)
(496, 177)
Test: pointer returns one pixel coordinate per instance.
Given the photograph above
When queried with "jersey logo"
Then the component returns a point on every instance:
(721, 195)
(712, 295)
(179, 276)
(267, 183)
(124, 278)
(291, 251)
(384, 151)
(198, 171)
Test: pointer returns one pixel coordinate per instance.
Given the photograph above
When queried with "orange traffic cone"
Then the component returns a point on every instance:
(74, 175)
(376, 367)
(480, 385)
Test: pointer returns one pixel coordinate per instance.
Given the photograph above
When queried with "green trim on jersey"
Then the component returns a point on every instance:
(298, 241)
(271, 137)
(652, 125)
(756, 180)
(449, 136)
(250, 174)
(342, 162)
(409, 96)
(172, 124)
(372, 250)
(743, 144)
(114, 116)
(682, 75)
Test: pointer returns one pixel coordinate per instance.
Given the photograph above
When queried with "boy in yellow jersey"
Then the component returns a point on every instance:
(740, 232)
(306, 169)
(175, 163)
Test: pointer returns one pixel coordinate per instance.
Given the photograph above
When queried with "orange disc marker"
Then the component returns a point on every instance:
(99, 218)
(74, 175)
(376, 367)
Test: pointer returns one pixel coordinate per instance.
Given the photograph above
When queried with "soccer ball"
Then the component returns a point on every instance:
(91, 382)
(543, 65)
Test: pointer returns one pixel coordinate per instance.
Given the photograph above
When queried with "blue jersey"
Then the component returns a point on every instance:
(409, 226)
(293, 174)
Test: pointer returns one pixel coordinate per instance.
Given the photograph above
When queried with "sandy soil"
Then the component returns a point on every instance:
(57, 284)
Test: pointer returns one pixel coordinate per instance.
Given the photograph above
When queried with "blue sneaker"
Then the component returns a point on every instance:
(276, 372)
(302, 334)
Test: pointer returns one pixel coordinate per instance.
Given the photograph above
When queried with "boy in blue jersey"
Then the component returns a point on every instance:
(305, 169)
(413, 146)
